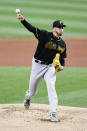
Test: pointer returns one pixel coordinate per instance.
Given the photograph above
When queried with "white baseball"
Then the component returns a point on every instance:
(17, 10)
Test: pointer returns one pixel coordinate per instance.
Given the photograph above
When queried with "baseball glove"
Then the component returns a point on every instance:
(56, 63)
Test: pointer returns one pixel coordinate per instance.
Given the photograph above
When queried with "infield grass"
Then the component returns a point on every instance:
(71, 86)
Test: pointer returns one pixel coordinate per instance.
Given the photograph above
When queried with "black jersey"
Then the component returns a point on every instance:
(48, 45)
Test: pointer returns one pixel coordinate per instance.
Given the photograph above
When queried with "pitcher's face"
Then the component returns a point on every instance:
(57, 31)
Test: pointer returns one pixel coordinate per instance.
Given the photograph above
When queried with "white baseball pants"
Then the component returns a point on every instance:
(47, 72)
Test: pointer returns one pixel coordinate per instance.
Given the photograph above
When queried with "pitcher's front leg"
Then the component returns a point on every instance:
(50, 78)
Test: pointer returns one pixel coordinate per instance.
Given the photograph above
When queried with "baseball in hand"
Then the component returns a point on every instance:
(17, 11)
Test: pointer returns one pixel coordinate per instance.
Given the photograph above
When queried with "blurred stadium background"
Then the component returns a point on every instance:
(72, 82)
(42, 13)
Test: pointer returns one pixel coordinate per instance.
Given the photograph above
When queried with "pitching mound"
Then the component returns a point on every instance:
(14, 118)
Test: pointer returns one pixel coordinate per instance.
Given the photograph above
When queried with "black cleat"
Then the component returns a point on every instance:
(26, 104)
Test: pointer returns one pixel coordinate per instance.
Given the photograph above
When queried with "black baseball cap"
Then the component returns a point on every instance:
(58, 24)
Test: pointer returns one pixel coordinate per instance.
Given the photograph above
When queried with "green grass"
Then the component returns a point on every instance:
(13, 84)
(71, 86)
(42, 13)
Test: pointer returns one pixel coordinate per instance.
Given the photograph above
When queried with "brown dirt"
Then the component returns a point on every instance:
(15, 118)
(19, 52)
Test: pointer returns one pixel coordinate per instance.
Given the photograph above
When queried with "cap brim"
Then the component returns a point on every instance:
(64, 25)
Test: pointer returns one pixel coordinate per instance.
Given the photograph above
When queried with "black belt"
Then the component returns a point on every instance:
(41, 62)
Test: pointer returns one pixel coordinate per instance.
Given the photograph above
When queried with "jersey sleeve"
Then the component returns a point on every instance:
(28, 26)
(62, 57)
(37, 32)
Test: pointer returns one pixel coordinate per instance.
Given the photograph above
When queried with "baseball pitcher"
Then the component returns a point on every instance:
(49, 57)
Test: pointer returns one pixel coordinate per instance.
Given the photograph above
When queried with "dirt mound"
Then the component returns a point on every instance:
(13, 117)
